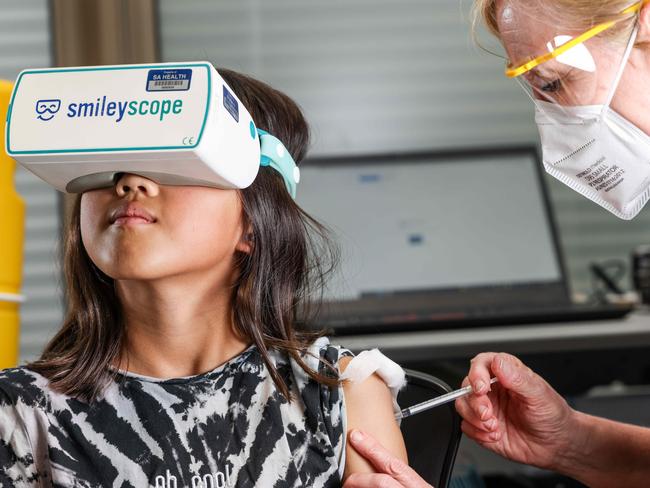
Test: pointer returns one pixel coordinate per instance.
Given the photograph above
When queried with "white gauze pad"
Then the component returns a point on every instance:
(367, 363)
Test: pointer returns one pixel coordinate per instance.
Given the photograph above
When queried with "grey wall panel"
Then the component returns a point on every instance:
(371, 75)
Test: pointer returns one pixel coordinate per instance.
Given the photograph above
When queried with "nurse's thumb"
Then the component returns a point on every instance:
(515, 376)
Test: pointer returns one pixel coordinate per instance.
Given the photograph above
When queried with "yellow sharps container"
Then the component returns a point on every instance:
(12, 230)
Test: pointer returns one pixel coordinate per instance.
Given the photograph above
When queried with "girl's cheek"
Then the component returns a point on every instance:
(94, 205)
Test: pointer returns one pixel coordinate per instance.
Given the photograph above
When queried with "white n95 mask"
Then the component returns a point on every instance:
(597, 152)
(175, 123)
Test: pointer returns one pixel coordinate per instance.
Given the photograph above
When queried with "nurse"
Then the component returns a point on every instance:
(586, 66)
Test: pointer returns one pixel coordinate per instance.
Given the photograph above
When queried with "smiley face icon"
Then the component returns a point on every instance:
(47, 109)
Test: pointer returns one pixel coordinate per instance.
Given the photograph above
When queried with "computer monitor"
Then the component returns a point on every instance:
(443, 227)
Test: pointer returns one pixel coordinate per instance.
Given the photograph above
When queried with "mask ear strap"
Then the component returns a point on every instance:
(626, 57)
(275, 155)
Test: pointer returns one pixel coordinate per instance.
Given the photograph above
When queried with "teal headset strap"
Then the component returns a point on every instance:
(275, 155)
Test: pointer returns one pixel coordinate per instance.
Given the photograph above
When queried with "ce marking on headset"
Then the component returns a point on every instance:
(188, 141)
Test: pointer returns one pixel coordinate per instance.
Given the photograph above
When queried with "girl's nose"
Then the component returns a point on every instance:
(130, 183)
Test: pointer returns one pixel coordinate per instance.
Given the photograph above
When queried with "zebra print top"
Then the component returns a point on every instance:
(229, 427)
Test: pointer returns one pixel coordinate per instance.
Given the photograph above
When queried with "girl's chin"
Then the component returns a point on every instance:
(137, 272)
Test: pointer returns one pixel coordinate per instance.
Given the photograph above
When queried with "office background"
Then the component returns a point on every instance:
(373, 77)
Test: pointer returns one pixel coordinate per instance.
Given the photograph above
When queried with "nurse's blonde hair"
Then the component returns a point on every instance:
(580, 15)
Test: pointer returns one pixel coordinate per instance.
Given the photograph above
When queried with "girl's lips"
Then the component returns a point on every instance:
(131, 214)
(132, 221)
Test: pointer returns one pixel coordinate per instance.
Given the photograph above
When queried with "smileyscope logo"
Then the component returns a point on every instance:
(46, 109)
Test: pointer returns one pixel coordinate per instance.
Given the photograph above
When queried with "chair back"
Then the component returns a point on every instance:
(431, 437)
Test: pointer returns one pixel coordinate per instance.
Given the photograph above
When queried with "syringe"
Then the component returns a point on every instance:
(436, 402)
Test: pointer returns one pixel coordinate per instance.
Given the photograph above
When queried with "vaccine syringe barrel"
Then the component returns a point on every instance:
(177, 123)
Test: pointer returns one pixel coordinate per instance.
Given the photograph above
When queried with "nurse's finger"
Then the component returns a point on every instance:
(480, 372)
(480, 404)
(518, 378)
(479, 435)
(486, 423)
(384, 461)
(371, 480)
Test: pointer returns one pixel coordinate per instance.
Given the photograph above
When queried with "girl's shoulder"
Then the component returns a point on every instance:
(322, 353)
(321, 356)
(22, 386)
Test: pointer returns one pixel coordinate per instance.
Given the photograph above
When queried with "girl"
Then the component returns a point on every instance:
(179, 363)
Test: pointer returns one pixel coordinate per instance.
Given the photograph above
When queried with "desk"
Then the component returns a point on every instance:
(632, 331)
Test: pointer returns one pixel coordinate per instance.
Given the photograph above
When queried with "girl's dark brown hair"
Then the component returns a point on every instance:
(291, 256)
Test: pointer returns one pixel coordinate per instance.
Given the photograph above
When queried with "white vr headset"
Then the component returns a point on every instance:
(177, 124)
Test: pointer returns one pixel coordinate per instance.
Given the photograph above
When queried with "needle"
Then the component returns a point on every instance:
(436, 402)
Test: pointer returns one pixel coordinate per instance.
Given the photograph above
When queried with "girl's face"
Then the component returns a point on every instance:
(139, 230)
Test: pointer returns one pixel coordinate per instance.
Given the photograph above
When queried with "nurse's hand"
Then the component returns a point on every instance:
(521, 417)
(391, 471)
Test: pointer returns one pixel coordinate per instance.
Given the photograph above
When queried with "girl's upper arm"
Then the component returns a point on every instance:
(369, 407)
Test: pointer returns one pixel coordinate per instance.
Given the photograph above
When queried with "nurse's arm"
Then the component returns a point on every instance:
(606, 453)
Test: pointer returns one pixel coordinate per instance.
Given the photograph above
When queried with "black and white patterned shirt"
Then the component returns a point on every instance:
(229, 427)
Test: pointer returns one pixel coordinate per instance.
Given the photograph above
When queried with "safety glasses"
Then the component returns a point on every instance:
(515, 71)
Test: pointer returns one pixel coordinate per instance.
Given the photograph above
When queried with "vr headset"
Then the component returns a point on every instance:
(177, 124)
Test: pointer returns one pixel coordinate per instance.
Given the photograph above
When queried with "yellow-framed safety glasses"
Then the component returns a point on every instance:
(513, 72)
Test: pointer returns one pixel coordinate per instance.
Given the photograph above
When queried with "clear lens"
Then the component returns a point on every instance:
(586, 75)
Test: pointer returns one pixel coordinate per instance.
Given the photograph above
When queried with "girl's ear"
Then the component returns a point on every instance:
(245, 243)
(643, 37)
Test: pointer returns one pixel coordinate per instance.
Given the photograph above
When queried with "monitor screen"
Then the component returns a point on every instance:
(430, 222)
